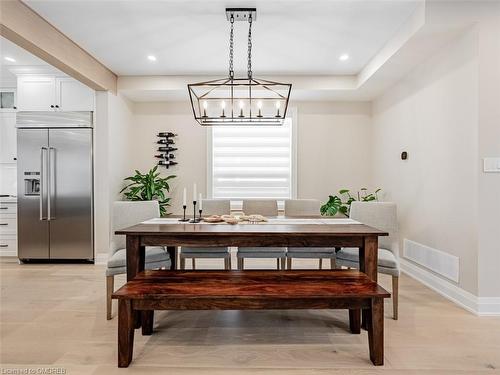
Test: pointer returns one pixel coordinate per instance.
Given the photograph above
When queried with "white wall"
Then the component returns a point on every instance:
(177, 117)
(433, 115)
(489, 145)
(113, 152)
(332, 148)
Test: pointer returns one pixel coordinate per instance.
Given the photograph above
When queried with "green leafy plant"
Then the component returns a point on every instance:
(331, 207)
(342, 202)
(147, 187)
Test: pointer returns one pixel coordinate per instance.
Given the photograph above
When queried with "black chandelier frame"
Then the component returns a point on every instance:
(255, 93)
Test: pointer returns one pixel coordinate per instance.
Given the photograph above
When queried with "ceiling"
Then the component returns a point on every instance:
(191, 37)
(22, 59)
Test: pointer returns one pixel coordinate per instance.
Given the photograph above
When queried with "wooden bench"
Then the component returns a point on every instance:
(250, 290)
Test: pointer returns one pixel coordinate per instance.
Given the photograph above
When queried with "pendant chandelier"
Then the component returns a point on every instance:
(240, 101)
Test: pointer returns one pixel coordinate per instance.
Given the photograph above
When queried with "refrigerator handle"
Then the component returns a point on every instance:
(42, 182)
(52, 182)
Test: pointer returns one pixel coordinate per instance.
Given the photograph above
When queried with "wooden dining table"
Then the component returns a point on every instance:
(147, 291)
(279, 231)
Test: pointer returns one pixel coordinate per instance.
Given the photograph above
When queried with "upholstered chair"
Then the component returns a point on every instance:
(266, 208)
(210, 207)
(383, 216)
(307, 208)
(126, 214)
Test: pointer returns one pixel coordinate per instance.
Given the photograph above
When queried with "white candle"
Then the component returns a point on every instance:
(201, 207)
(184, 197)
(194, 192)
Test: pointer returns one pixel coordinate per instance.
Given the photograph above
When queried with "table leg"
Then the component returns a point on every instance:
(136, 254)
(148, 319)
(375, 323)
(173, 257)
(125, 332)
(355, 320)
(368, 259)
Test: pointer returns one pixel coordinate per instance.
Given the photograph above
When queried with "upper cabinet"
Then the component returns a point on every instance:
(8, 102)
(36, 93)
(49, 93)
(73, 95)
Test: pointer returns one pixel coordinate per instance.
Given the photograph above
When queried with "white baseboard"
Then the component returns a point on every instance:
(482, 306)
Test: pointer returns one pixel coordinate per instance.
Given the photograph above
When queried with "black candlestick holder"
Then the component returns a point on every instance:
(184, 214)
(194, 219)
(199, 217)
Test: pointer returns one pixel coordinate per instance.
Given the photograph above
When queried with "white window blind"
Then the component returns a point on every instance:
(252, 162)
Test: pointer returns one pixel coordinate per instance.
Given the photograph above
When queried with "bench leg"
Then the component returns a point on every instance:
(125, 332)
(355, 320)
(148, 318)
(283, 263)
(288, 263)
(375, 325)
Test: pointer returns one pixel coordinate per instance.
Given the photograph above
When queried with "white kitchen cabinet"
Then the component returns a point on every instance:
(8, 228)
(8, 101)
(50, 93)
(36, 93)
(8, 140)
(73, 95)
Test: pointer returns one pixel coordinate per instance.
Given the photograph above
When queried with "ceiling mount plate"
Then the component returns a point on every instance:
(241, 14)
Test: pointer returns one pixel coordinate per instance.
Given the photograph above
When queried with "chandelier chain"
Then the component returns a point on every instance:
(249, 47)
(231, 43)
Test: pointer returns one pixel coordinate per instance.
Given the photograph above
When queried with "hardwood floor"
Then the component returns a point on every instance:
(53, 316)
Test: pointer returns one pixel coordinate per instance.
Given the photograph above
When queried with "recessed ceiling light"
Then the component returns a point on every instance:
(344, 57)
(151, 58)
(9, 59)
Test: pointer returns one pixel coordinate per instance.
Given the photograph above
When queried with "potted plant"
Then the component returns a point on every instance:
(342, 203)
(147, 187)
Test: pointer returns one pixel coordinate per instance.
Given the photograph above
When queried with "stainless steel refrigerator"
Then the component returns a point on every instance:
(55, 185)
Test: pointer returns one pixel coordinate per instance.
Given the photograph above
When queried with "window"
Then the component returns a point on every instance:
(252, 162)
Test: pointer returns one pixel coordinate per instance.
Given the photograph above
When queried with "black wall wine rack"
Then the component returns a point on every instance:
(166, 149)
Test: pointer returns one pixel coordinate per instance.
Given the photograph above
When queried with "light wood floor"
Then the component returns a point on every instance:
(53, 316)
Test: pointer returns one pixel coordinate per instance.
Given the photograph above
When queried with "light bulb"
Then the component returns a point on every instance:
(223, 105)
(205, 106)
(278, 105)
(241, 108)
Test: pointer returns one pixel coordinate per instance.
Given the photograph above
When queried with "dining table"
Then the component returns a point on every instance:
(283, 231)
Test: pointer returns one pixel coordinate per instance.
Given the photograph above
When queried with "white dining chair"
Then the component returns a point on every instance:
(210, 207)
(307, 208)
(265, 207)
(383, 216)
(126, 214)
